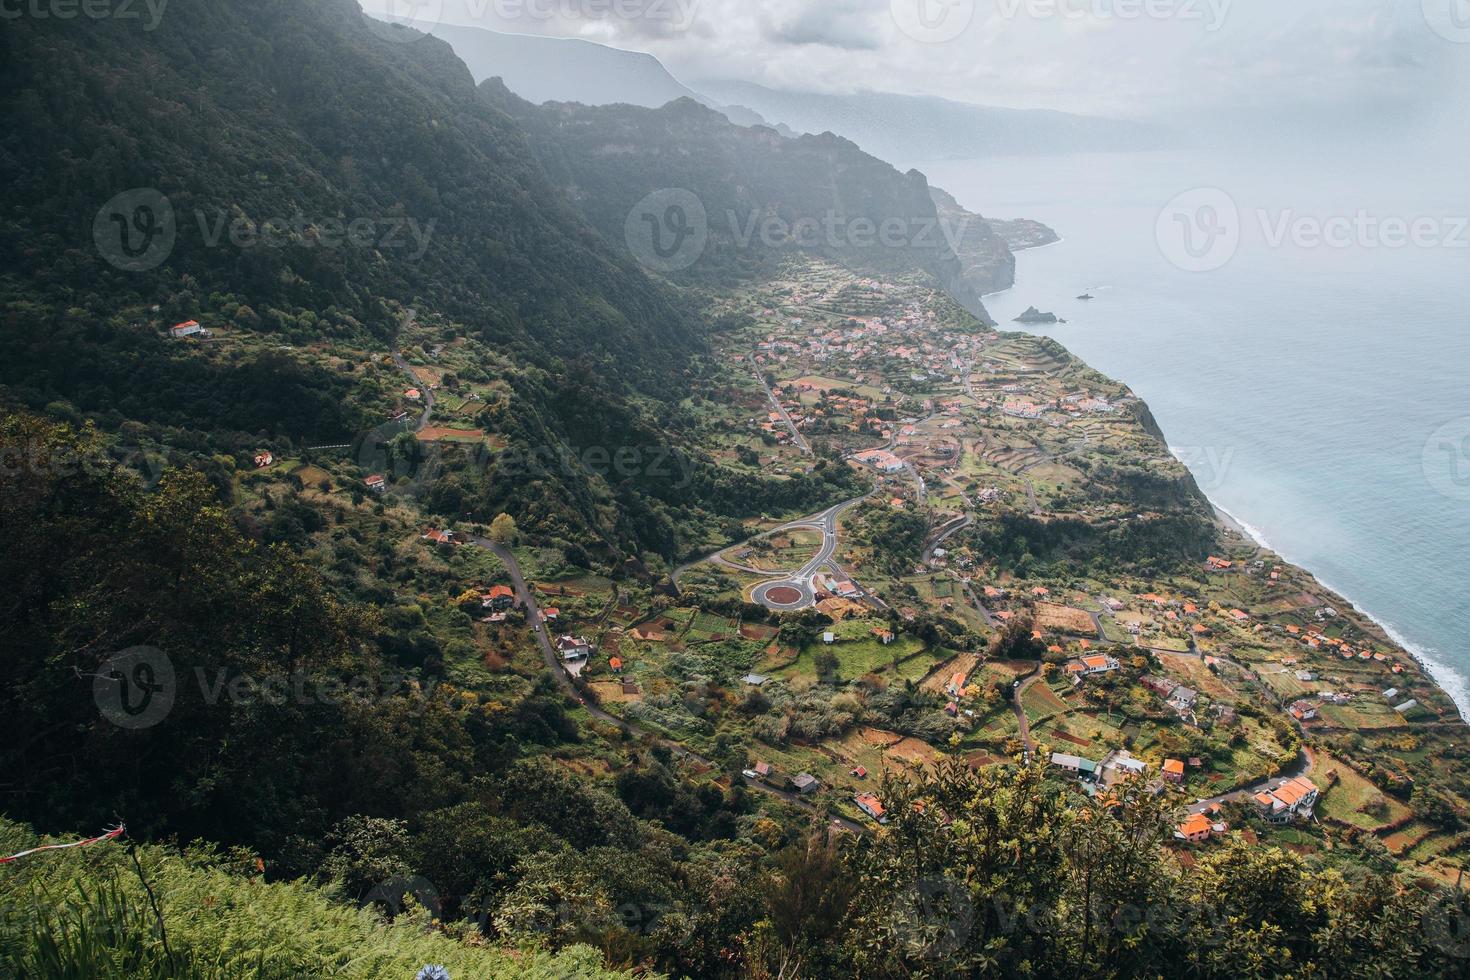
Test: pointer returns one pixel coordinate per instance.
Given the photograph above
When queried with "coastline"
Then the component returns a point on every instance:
(1454, 685)
(1018, 251)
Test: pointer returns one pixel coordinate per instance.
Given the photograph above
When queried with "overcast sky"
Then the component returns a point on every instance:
(1140, 58)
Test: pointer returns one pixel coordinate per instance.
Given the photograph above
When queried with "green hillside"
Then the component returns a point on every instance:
(88, 915)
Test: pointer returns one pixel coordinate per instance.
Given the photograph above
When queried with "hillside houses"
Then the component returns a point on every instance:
(881, 460)
(1090, 666)
(1289, 800)
(1084, 769)
(572, 648)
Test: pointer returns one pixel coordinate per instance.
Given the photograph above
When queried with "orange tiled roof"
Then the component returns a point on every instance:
(1197, 823)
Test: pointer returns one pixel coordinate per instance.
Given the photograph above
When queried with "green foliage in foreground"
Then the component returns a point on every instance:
(85, 914)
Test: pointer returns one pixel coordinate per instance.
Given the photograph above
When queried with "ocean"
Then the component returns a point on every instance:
(1303, 340)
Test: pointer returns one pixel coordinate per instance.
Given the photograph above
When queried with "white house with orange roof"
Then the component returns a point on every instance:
(1095, 664)
(872, 806)
(1292, 799)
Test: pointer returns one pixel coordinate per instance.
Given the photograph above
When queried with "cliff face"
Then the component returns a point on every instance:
(986, 262)
(758, 195)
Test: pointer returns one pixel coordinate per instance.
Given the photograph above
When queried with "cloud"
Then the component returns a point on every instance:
(1185, 58)
(844, 24)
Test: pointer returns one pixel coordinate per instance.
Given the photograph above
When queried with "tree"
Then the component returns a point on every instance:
(503, 529)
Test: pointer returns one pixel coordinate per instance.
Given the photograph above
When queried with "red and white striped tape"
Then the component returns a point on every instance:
(109, 835)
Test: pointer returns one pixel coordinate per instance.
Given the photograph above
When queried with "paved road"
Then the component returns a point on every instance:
(1021, 719)
(527, 598)
(816, 522)
(826, 523)
(1303, 766)
(796, 436)
(428, 413)
(954, 527)
(990, 617)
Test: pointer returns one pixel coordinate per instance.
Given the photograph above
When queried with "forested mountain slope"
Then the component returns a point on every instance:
(761, 194)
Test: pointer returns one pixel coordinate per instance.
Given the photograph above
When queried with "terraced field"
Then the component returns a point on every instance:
(1352, 799)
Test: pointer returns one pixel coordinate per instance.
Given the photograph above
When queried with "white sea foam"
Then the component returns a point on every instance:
(1450, 680)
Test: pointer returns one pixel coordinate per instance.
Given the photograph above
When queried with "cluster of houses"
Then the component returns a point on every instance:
(1314, 639)
(1115, 767)
(1182, 699)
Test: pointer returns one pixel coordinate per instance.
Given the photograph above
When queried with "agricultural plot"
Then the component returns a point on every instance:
(864, 653)
(1193, 672)
(1352, 799)
(1040, 701)
(1406, 838)
(1283, 682)
(964, 664)
(1362, 715)
(1078, 734)
(441, 433)
(878, 750)
(710, 627)
(1064, 619)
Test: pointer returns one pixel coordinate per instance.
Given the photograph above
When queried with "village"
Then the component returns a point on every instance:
(809, 655)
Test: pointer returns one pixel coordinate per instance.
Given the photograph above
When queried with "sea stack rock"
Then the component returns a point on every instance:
(1033, 315)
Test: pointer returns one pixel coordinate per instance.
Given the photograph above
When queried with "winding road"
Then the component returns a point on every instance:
(527, 598)
(795, 592)
(796, 436)
(428, 395)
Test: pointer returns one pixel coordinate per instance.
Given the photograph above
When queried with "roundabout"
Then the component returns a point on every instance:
(784, 595)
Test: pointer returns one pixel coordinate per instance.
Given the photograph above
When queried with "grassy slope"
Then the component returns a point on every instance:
(84, 913)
